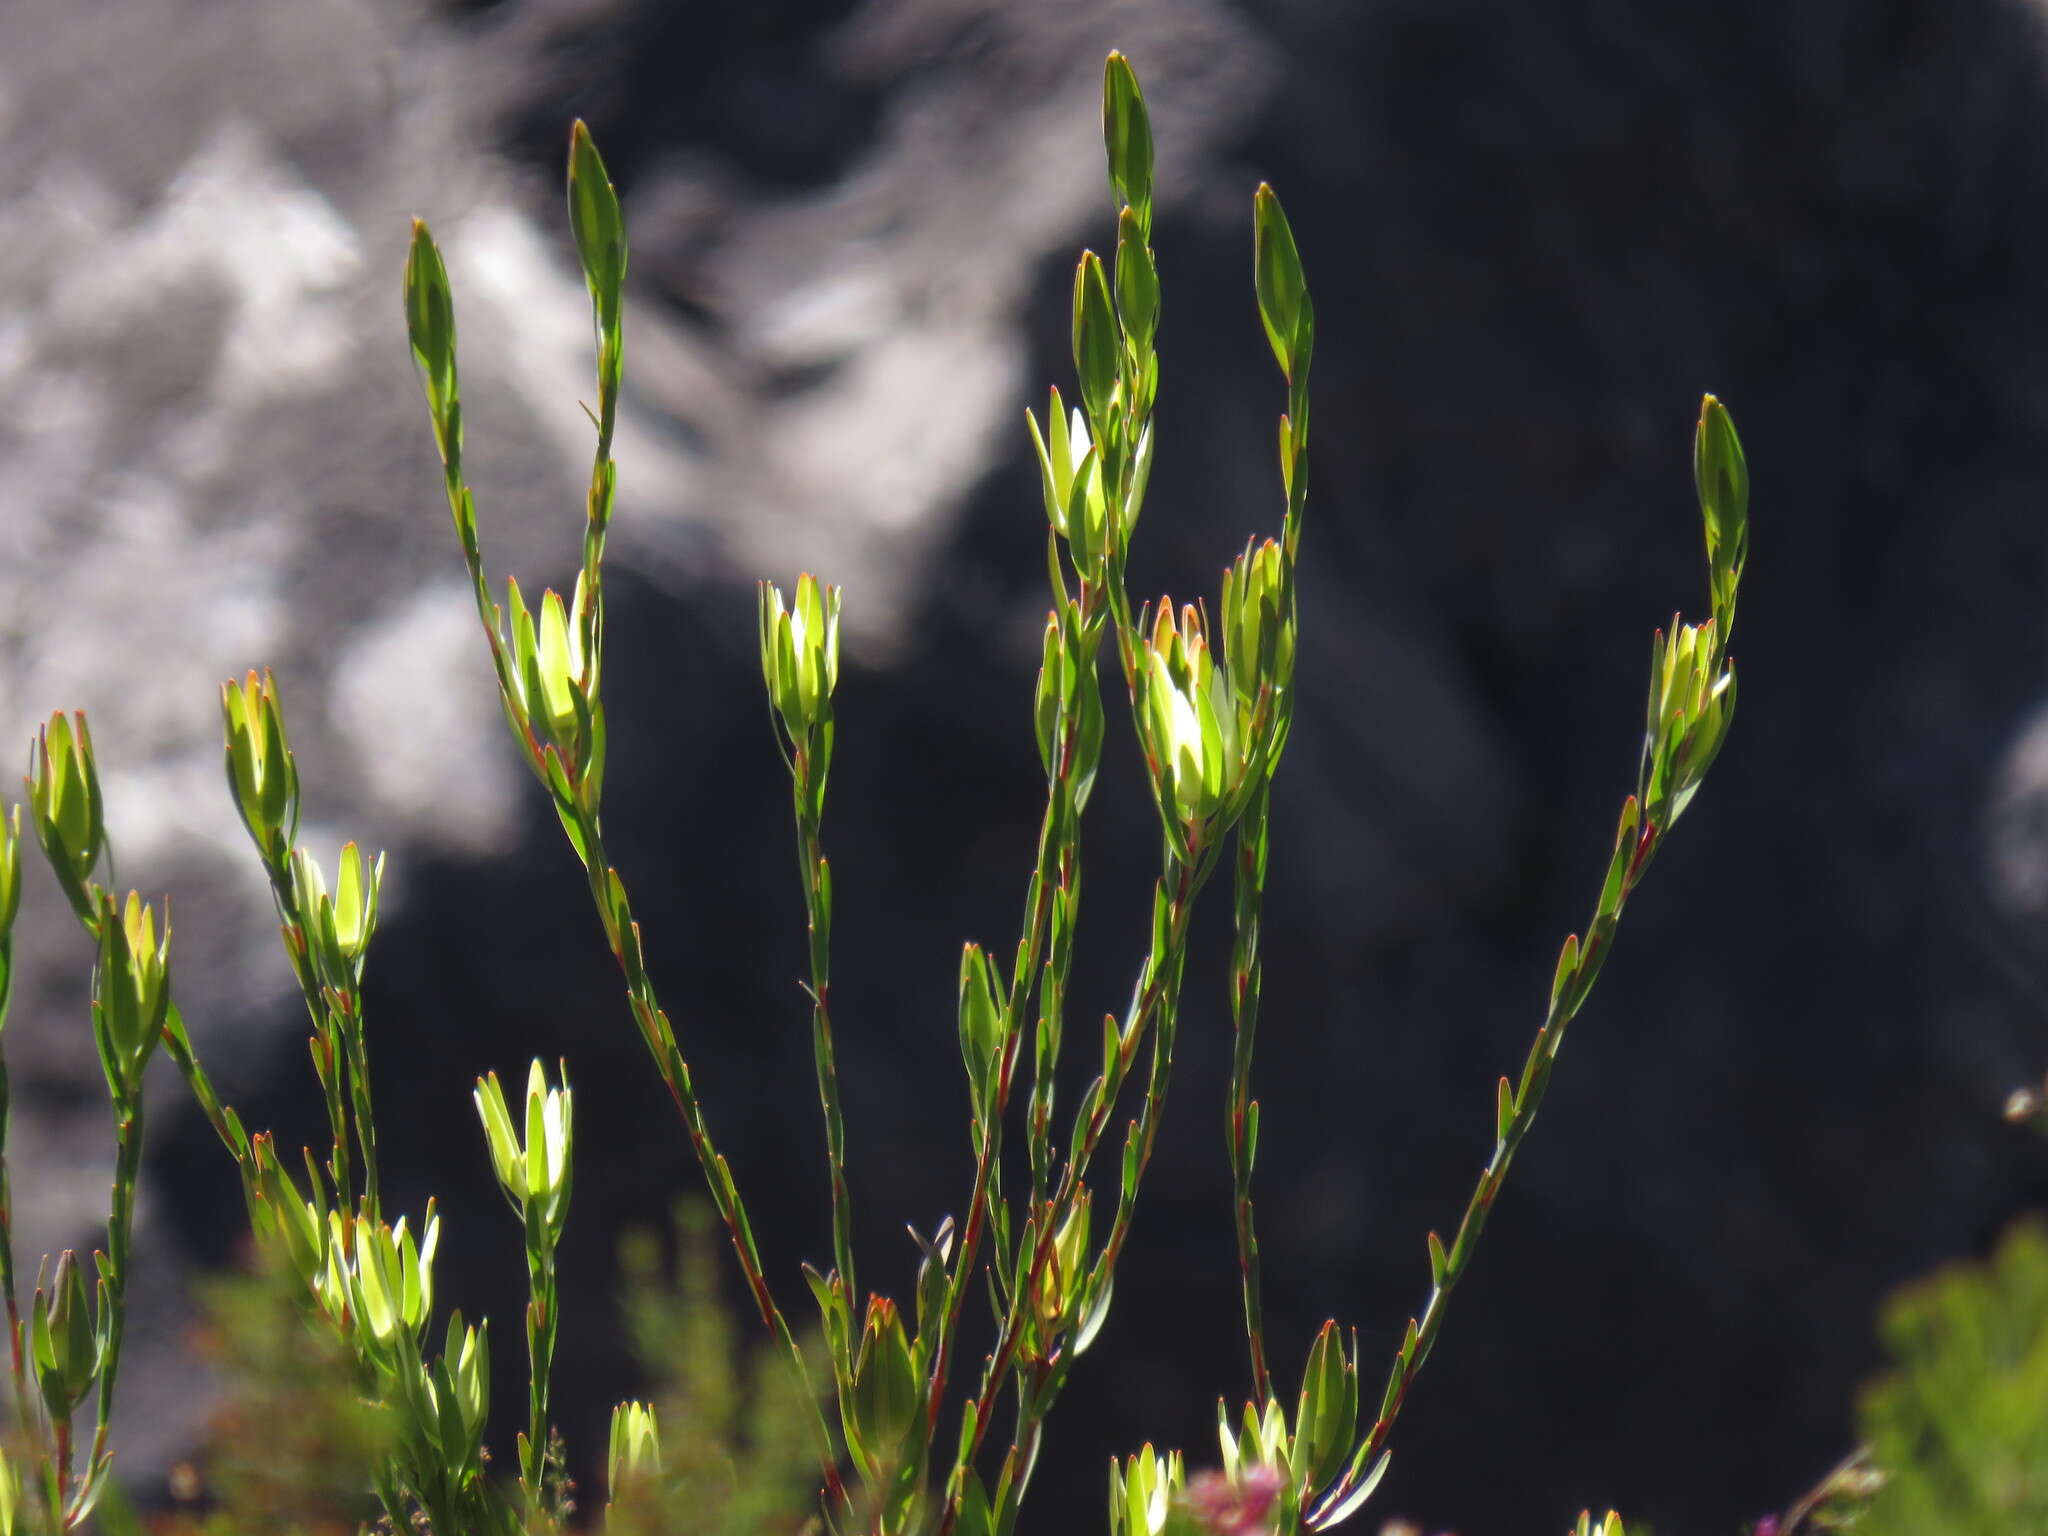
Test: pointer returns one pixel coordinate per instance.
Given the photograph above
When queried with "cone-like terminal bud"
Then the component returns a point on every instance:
(1692, 702)
(462, 1376)
(62, 1338)
(599, 227)
(382, 1280)
(1188, 718)
(556, 678)
(261, 774)
(1327, 1417)
(886, 1401)
(1097, 340)
(293, 1229)
(1258, 625)
(338, 928)
(64, 801)
(1070, 478)
(981, 1029)
(800, 653)
(1127, 135)
(130, 990)
(1284, 308)
(430, 325)
(1144, 1491)
(535, 1172)
(633, 1463)
(1720, 474)
(1057, 1288)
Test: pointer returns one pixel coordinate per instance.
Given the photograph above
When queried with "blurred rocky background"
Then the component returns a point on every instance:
(1536, 234)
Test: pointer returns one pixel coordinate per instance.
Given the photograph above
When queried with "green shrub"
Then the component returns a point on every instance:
(888, 1444)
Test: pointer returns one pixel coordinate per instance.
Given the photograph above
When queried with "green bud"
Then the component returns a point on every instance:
(1127, 135)
(634, 1462)
(536, 1173)
(64, 800)
(1691, 703)
(1262, 1441)
(131, 990)
(1142, 1493)
(1097, 340)
(599, 227)
(1258, 625)
(430, 325)
(261, 774)
(1327, 1417)
(800, 653)
(981, 1030)
(471, 1375)
(1720, 475)
(1050, 694)
(1277, 276)
(886, 1404)
(62, 1338)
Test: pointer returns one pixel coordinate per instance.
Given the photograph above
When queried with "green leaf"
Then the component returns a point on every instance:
(430, 323)
(1096, 338)
(1137, 284)
(1277, 275)
(599, 227)
(1567, 969)
(1721, 477)
(1327, 1415)
(1127, 135)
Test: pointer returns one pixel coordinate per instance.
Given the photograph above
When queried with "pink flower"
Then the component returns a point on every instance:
(1235, 1509)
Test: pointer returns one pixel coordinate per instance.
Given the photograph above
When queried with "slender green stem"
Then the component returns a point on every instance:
(179, 1044)
(349, 1005)
(623, 934)
(1161, 1000)
(1151, 1009)
(816, 874)
(1246, 970)
(340, 1058)
(542, 1321)
(1519, 1104)
(1057, 868)
(120, 1231)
